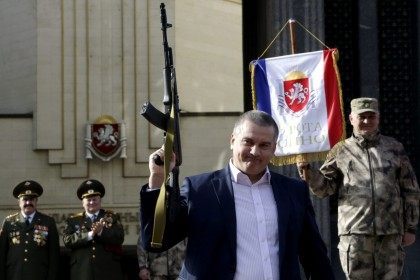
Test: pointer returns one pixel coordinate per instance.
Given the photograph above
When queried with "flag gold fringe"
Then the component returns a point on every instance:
(292, 159)
(254, 97)
(335, 56)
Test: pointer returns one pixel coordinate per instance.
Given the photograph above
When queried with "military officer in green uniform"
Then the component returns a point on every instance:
(94, 236)
(29, 242)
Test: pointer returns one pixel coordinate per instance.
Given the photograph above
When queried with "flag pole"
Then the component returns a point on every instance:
(292, 23)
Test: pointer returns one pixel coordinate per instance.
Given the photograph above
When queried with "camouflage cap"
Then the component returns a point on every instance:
(364, 104)
(90, 188)
(28, 188)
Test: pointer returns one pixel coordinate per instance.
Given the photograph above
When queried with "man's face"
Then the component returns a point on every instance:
(365, 124)
(92, 204)
(28, 204)
(253, 147)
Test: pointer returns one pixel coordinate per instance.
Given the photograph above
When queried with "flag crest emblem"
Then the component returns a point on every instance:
(296, 90)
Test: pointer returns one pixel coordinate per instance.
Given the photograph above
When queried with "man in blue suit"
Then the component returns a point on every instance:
(244, 221)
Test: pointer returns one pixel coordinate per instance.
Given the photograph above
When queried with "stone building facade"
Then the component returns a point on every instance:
(64, 64)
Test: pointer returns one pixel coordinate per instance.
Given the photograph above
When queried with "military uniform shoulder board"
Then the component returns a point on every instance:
(12, 216)
(78, 215)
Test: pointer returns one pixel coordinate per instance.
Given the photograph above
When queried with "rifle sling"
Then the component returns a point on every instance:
(160, 210)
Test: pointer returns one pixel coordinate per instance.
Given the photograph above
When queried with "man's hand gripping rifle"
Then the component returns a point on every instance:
(168, 122)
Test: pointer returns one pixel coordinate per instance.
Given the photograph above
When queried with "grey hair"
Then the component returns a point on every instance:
(259, 118)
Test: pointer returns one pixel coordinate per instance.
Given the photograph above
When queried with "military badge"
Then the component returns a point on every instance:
(105, 138)
(107, 220)
(40, 235)
(15, 237)
(77, 229)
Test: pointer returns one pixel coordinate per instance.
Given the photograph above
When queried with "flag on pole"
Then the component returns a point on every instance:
(302, 92)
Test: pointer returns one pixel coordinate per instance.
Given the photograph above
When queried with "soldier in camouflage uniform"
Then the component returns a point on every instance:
(29, 242)
(378, 196)
(160, 266)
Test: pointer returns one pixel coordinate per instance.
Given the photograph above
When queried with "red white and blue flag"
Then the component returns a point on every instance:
(302, 92)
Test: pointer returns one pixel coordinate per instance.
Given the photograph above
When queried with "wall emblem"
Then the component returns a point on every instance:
(105, 138)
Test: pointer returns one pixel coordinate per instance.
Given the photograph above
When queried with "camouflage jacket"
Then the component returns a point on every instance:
(164, 265)
(378, 193)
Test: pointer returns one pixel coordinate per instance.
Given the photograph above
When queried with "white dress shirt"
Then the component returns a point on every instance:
(29, 217)
(257, 244)
(91, 217)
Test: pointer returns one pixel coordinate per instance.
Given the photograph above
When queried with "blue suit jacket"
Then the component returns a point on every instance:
(207, 218)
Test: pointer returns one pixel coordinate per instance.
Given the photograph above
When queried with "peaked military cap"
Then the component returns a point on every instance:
(90, 187)
(28, 188)
(364, 104)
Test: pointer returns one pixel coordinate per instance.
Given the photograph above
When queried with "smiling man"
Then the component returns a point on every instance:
(29, 243)
(378, 196)
(244, 221)
(94, 236)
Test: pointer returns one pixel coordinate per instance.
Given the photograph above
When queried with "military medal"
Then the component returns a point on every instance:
(40, 235)
(107, 221)
(15, 236)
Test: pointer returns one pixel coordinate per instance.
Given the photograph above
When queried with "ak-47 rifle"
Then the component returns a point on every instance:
(169, 123)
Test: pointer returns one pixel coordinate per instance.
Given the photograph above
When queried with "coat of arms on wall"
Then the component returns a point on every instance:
(105, 138)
